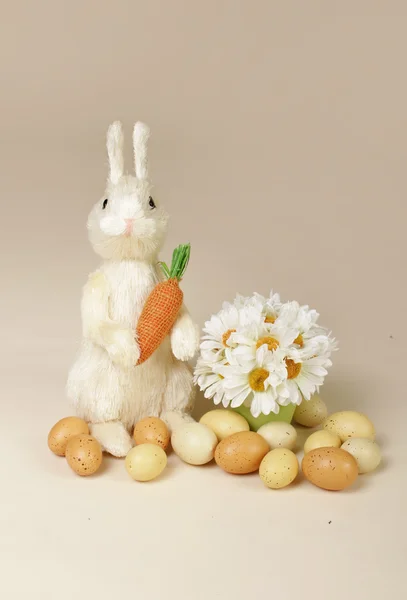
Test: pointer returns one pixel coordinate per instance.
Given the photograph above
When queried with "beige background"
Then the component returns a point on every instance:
(279, 148)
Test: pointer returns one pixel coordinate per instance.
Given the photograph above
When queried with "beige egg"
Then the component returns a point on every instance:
(348, 424)
(279, 468)
(63, 431)
(366, 453)
(224, 422)
(146, 462)
(279, 435)
(84, 455)
(194, 443)
(152, 430)
(241, 452)
(321, 439)
(311, 413)
(330, 468)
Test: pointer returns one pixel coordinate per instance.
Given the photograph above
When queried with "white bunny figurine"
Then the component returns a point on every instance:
(106, 388)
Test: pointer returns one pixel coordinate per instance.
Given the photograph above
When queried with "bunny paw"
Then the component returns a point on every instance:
(113, 437)
(184, 339)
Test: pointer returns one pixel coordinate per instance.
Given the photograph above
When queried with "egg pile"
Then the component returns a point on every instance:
(334, 455)
(70, 438)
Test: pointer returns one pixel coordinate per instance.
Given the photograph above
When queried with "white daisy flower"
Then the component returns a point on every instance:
(268, 307)
(255, 384)
(248, 340)
(218, 330)
(210, 381)
(220, 327)
(304, 320)
(306, 371)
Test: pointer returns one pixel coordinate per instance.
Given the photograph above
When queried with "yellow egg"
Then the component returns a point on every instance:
(321, 439)
(152, 430)
(278, 468)
(194, 443)
(330, 468)
(84, 455)
(311, 413)
(278, 435)
(63, 431)
(145, 462)
(348, 424)
(366, 453)
(241, 452)
(224, 422)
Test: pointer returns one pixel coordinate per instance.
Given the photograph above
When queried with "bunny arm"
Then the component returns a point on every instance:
(118, 341)
(184, 336)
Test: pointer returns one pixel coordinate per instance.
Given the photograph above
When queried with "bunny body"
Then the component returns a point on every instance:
(105, 386)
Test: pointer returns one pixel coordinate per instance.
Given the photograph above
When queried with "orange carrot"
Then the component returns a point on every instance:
(163, 304)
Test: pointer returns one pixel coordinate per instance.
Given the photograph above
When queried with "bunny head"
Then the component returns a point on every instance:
(126, 223)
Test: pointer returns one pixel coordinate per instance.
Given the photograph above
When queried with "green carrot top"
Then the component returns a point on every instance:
(179, 263)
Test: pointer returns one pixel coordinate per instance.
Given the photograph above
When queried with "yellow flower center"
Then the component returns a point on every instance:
(257, 378)
(270, 319)
(293, 368)
(299, 341)
(272, 343)
(226, 336)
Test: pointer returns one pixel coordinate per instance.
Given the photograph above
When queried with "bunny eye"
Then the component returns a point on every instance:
(151, 202)
(105, 203)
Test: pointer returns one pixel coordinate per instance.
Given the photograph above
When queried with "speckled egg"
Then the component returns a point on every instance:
(63, 431)
(348, 424)
(224, 422)
(241, 452)
(84, 455)
(194, 443)
(366, 453)
(279, 435)
(311, 413)
(330, 468)
(152, 430)
(278, 468)
(145, 462)
(322, 439)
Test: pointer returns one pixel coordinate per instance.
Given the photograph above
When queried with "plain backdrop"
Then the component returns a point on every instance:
(279, 149)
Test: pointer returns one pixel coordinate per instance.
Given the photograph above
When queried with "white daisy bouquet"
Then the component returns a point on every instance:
(260, 356)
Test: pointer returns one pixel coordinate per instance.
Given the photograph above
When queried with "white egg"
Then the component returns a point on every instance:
(311, 413)
(224, 422)
(278, 434)
(278, 468)
(194, 443)
(322, 439)
(366, 453)
(349, 424)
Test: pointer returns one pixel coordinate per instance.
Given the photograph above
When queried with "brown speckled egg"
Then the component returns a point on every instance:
(84, 455)
(330, 468)
(152, 430)
(241, 452)
(63, 431)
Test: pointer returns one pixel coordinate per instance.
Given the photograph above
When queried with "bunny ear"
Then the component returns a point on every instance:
(115, 151)
(141, 134)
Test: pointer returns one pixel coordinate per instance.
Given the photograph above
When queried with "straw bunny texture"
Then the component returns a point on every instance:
(106, 387)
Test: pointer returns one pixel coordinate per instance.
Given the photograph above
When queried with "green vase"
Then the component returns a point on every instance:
(286, 414)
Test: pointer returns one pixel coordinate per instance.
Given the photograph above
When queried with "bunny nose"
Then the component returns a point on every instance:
(129, 226)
